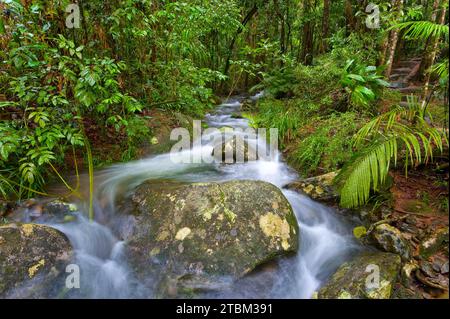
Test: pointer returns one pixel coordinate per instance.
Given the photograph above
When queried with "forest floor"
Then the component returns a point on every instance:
(420, 211)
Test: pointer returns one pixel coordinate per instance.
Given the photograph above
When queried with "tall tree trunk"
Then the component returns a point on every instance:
(289, 29)
(435, 43)
(306, 56)
(325, 26)
(349, 17)
(398, 4)
(155, 28)
(281, 18)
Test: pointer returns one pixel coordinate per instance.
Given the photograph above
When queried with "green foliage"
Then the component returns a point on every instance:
(310, 83)
(356, 46)
(422, 30)
(328, 146)
(287, 118)
(50, 86)
(400, 133)
(362, 83)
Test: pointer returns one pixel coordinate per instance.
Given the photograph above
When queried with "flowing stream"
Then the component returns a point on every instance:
(325, 239)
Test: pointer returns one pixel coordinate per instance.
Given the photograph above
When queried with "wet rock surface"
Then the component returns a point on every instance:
(353, 279)
(319, 188)
(32, 259)
(390, 239)
(237, 149)
(41, 211)
(207, 233)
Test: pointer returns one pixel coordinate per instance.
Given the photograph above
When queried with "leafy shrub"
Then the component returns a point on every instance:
(362, 83)
(51, 86)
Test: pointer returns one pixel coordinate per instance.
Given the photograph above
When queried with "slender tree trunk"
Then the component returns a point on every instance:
(306, 56)
(426, 61)
(434, 51)
(349, 17)
(383, 50)
(83, 22)
(281, 17)
(325, 26)
(155, 29)
(393, 41)
(289, 29)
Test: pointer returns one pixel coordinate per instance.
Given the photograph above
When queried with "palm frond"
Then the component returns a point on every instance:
(401, 132)
(368, 170)
(441, 69)
(422, 30)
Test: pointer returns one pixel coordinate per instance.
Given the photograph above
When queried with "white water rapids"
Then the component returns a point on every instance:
(325, 240)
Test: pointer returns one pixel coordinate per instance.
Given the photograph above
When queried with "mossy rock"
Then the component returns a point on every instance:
(390, 239)
(319, 188)
(207, 229)
(32, 258)
(434, 242)
(351, 280)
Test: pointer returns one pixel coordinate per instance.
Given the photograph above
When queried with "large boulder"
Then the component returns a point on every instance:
(358, 278)
(32, 257)
(202, 231)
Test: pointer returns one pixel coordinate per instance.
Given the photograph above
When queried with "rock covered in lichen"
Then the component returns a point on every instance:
(32, 257)
(433, 242)
(390, 239)
(319, 188)
(208, 229)
(370, 275)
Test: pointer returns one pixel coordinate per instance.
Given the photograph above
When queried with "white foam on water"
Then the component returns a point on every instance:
(325, 241)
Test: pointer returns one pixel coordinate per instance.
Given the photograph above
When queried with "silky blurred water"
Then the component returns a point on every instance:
(325, 240)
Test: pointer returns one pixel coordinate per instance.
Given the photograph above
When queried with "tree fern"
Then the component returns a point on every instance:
(400, 133)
